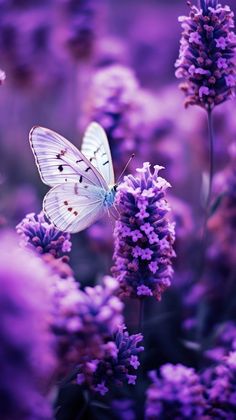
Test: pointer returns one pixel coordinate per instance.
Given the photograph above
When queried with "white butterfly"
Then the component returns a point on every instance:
(83, 182)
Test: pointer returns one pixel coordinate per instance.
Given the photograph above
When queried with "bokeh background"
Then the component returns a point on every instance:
(70, 62)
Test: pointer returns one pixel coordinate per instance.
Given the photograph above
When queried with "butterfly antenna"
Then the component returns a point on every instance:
(127, 164)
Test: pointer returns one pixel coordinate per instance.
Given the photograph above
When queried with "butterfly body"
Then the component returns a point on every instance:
(110, 196)
(83, 186)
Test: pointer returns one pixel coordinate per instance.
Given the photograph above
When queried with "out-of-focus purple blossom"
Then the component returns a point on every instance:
(26, 45)
(26, 357)
(175, 393)
(220, 383)
(119, 364)
(81, 30)
(110, 50)
(38, 234)
(123, 409)
(224, 341)
(182, 216)
(207, 55)
(144, 236)
(113, 105)
(84, 320)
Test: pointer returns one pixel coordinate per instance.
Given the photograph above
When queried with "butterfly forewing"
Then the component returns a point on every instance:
(72, 207)
(59, 161)
(96, 148)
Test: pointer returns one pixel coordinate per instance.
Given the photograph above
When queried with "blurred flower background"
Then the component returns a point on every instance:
(112, 353)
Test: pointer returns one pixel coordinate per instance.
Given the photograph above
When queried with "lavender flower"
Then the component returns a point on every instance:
(26, 43)
(26, 358)
(143, 235)
(84, 321)
(220, 382)
(82, 27)
(42, 236)
(175, 393)
(207, 52)
(113, 105)
(119, 365)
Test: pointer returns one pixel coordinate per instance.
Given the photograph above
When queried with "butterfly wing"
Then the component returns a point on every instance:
(96, 148)
(59, 161)
(74, 207)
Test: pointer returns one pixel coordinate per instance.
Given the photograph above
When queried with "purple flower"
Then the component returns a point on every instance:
(119, 364)
(142, 263)
(27, 361)
(123, 409)
(81, 22)
(175, 393)
(220, 382)
(42, 236)
(84, 321)
(206, 58)
(114, 105)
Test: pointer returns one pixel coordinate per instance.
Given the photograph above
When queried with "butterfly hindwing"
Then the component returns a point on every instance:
(73, 207)
(96, 148)
(59, 161)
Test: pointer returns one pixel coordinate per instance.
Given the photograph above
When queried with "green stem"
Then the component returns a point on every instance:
(211, 159)
(211, 174)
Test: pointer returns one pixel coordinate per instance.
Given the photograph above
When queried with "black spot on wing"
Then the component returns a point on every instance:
(105, 162)
(80, 178)
(60, 168)
(87, 169)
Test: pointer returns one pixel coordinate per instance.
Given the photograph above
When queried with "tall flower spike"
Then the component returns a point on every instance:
(81, 19)
(114, 105)
(207, 55)
(27, 360)
(42, 236)
(119, 365)
(84, 321)
(144, 236)
(175, 393)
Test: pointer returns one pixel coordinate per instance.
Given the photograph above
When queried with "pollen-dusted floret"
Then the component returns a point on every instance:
(40, 235)
(144, 236)
(207, 55)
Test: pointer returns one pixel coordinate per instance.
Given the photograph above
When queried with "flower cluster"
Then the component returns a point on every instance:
(42, 236)
(144, 236)
(84, 321)
(175, 393)
(118, 366)
(220, 383)
(27, 361)
(207, 54)
(222, 223)
(81, 27)
(113, 105)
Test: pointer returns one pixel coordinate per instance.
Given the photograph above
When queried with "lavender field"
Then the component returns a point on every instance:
(117, 210)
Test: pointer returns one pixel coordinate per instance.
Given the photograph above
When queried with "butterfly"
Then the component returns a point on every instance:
(83, 186)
